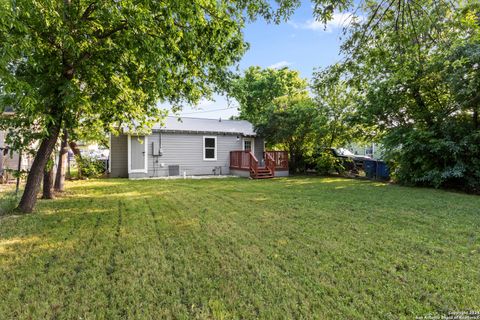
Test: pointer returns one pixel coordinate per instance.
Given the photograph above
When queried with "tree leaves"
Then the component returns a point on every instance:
(414, 67)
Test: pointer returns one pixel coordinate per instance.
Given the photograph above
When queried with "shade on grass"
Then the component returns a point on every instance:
(237, 248)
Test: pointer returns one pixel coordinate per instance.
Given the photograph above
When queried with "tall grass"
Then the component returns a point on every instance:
(8, 202)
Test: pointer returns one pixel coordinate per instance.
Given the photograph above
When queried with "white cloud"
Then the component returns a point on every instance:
(280, 64)
(339, 20)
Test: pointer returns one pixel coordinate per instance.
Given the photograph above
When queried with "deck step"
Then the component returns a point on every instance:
(263, 173)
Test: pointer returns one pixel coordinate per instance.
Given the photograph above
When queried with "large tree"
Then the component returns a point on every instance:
(257, 88)
(290, 124)
(415, 64)
(337, 104)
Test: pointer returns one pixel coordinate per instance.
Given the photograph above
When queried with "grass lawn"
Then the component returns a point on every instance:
(237, 248)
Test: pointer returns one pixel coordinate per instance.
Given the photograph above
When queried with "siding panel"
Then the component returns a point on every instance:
(258, 152)
(119, 156)
(186, 150)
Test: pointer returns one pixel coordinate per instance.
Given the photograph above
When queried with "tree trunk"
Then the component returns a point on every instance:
(78, 155)
(62, 163)
(293, 163)
(48, 183)
(29, 197)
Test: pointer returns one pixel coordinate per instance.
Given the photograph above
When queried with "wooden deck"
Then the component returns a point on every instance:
(246, 160)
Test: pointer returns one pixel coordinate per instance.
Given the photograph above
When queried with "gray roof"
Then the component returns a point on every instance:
(187, 124)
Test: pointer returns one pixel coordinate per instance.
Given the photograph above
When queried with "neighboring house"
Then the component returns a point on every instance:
(193, 146)
(373, 150)
(9, 159)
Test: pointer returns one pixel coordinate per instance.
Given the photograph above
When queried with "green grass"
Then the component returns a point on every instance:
(8, 198)
(243, 249)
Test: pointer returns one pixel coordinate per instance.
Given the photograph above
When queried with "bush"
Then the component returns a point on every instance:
(448, 157)
(327, 163)
(90, 167)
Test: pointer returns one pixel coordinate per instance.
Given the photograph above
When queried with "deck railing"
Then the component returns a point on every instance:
(240, 160)
(246, 160)
(243, 160)
(280, 159)
(270, 163)
(253, 164)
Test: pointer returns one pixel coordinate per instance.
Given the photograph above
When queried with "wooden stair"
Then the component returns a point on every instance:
(246, 160)
(262, 173)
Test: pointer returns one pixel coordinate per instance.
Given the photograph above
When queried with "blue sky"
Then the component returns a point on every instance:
(301, 43)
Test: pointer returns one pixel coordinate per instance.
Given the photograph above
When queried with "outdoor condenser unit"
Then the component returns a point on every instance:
(174, 170)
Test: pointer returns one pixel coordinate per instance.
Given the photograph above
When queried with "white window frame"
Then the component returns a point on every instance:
(252, 141)
(145, 143)
(216, 148)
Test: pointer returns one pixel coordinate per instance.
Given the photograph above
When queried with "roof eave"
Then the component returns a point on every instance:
(204, 132)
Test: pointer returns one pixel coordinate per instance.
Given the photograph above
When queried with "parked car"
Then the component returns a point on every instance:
(350, 162)
(358, 160)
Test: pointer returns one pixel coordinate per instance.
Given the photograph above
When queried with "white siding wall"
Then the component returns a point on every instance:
(118, 157)
(258, 150)
(186, 150)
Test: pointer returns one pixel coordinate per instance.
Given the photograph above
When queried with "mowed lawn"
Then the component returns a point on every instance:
(241, 249)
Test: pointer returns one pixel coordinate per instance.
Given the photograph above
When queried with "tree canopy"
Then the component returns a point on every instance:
(415, 66)
(289, 124)
(257, 88)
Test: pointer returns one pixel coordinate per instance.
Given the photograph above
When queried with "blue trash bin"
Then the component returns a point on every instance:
(382, 172)
(370, 168)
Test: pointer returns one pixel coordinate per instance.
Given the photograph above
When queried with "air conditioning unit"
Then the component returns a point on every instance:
(173, 170)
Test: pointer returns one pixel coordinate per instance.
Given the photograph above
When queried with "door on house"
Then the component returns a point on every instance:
(138, 154)
(248, 144)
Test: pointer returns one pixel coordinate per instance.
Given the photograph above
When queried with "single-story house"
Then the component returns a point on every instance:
(195, 146)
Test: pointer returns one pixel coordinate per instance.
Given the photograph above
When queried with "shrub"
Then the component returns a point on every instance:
(90, 167)
(327, 163)
(448, 157)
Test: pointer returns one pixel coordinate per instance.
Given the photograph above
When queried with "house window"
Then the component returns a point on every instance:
(209, 148)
